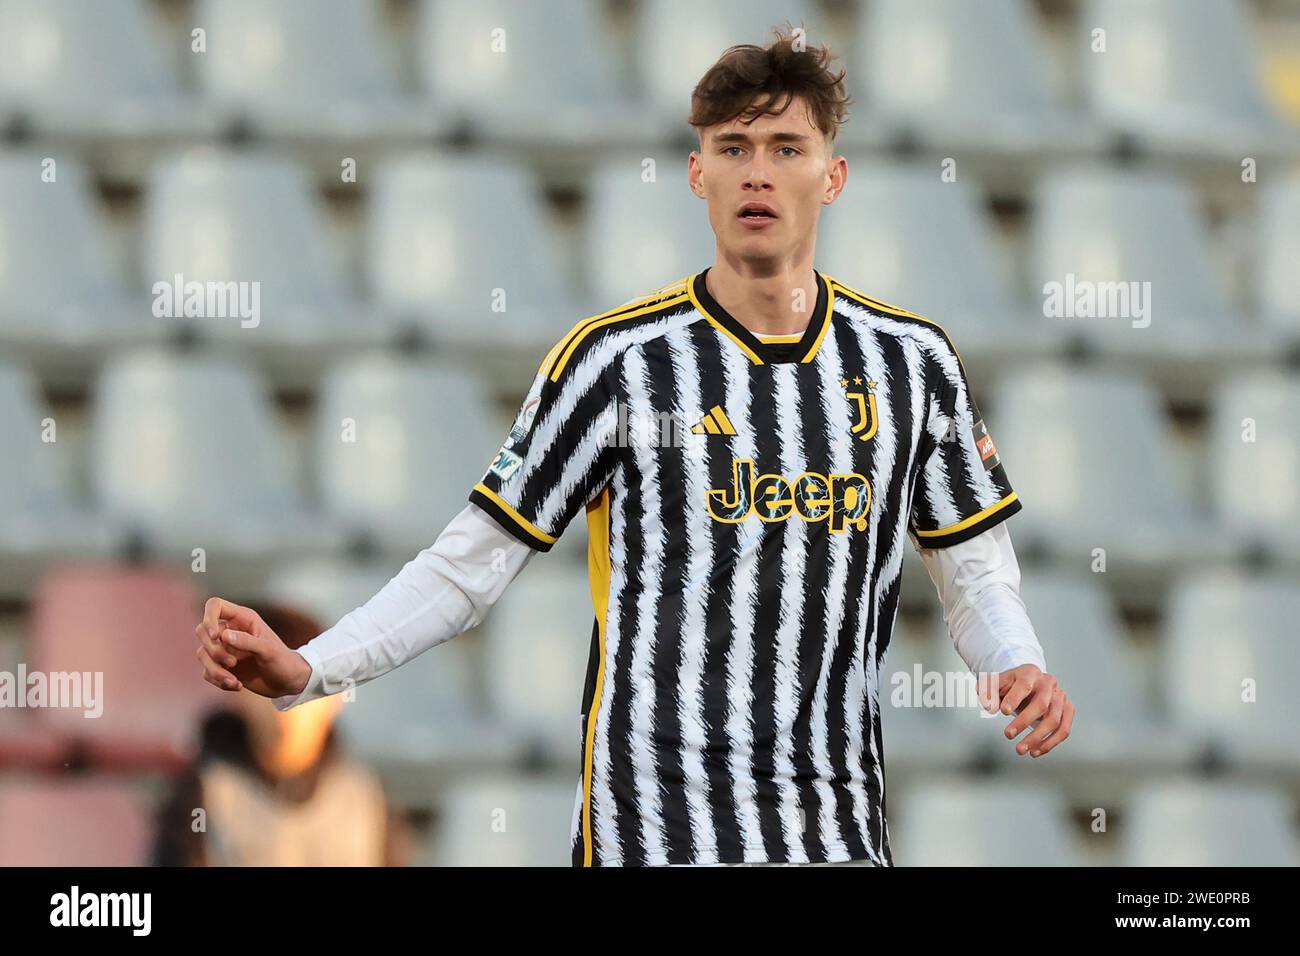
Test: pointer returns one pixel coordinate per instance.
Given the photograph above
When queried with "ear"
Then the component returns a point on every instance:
(695, 174)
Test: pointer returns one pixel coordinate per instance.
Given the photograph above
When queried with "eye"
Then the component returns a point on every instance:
(728, 149)
(792, 149)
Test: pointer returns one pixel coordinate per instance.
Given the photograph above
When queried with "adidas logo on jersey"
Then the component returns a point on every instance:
(714, 423)
(843, 499)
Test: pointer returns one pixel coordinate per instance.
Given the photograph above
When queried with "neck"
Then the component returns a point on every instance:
(765, 302)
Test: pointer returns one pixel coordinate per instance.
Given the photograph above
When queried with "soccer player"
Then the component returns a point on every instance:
(752, 446)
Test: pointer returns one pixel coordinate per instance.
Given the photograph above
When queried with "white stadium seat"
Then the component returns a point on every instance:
(307, 69)
(503, 820)
(1178, 77)
(1090, 454)
(42, 520)
(1193, 824)
(959, 76)
(1092, 227)
(1253, 451)
(1230, 666)
(399, 444)
(188, 452)
(61, 292)
(216, 217)
(642, 235)
(91, 71)
(462, 247)
(900, 234)
(959, 822)
(525, 74)
(538, 662)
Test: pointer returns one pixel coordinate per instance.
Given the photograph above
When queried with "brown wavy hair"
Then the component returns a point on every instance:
(749, 81)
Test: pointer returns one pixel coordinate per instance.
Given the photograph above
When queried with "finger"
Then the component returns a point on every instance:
(1051, 720)
(1015, 696)
(987, 689)
(215, 674)
(209, 642)
(1034, 709)
(244, 643)
(1063, 731)
(218, 610)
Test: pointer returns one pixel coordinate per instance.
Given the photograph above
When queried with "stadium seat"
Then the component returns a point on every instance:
(1256, 488)
(135, 627)
(461, 247)
(42, 521)
(187, 451)
(399, 444)
(930, 250)
(678, 40)
(1277, 241)
(961, 77)
(640, 235)
(1178, 77)
(72, 822)
(327, 588)
(1094, 230)
(525, 75)
(86, 72)
(1124, 494)
(501, 820)
(959, 822)
(61, 297)
(1196, 824)
(307, 70)
(222, 218)
(26, 744)
(423, 720)
(538, 661)
(1231, 667)
(917, 739)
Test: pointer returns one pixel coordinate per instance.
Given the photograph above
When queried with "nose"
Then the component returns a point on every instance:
(756, 176)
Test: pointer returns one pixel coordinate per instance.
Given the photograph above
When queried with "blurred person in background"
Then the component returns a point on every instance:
(276, 788)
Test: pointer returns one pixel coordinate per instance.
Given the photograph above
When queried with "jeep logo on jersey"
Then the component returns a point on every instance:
(843, 498)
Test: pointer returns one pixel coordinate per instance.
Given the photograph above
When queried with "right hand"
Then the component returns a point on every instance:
(238, 650)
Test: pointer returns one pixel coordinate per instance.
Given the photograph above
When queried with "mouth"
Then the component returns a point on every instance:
(756, 211)
(756, 215)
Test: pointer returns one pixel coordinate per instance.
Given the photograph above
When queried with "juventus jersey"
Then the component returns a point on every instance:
(748, 503)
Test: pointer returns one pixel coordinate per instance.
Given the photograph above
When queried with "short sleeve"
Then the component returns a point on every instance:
(961, 486)
(557, 455)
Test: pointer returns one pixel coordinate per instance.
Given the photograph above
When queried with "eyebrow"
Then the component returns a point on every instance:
(738, 137)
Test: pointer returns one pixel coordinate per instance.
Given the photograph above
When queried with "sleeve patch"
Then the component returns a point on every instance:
(505, 464)
(984, 443)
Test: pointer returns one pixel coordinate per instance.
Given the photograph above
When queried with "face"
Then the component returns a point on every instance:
(781, 162)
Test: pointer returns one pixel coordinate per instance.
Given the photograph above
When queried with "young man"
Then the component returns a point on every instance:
(745, 571)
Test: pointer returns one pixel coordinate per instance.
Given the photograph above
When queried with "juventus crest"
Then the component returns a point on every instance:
(864, 403)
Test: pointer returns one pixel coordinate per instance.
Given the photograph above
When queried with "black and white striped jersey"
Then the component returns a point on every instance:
(748, 503)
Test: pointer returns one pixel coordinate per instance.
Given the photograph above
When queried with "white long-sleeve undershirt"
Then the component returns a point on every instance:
(449, 587)
(978, 583)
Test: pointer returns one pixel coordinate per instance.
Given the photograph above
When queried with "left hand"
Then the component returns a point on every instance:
(1034, 696)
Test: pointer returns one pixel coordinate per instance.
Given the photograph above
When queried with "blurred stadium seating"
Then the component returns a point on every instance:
(429, 193)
